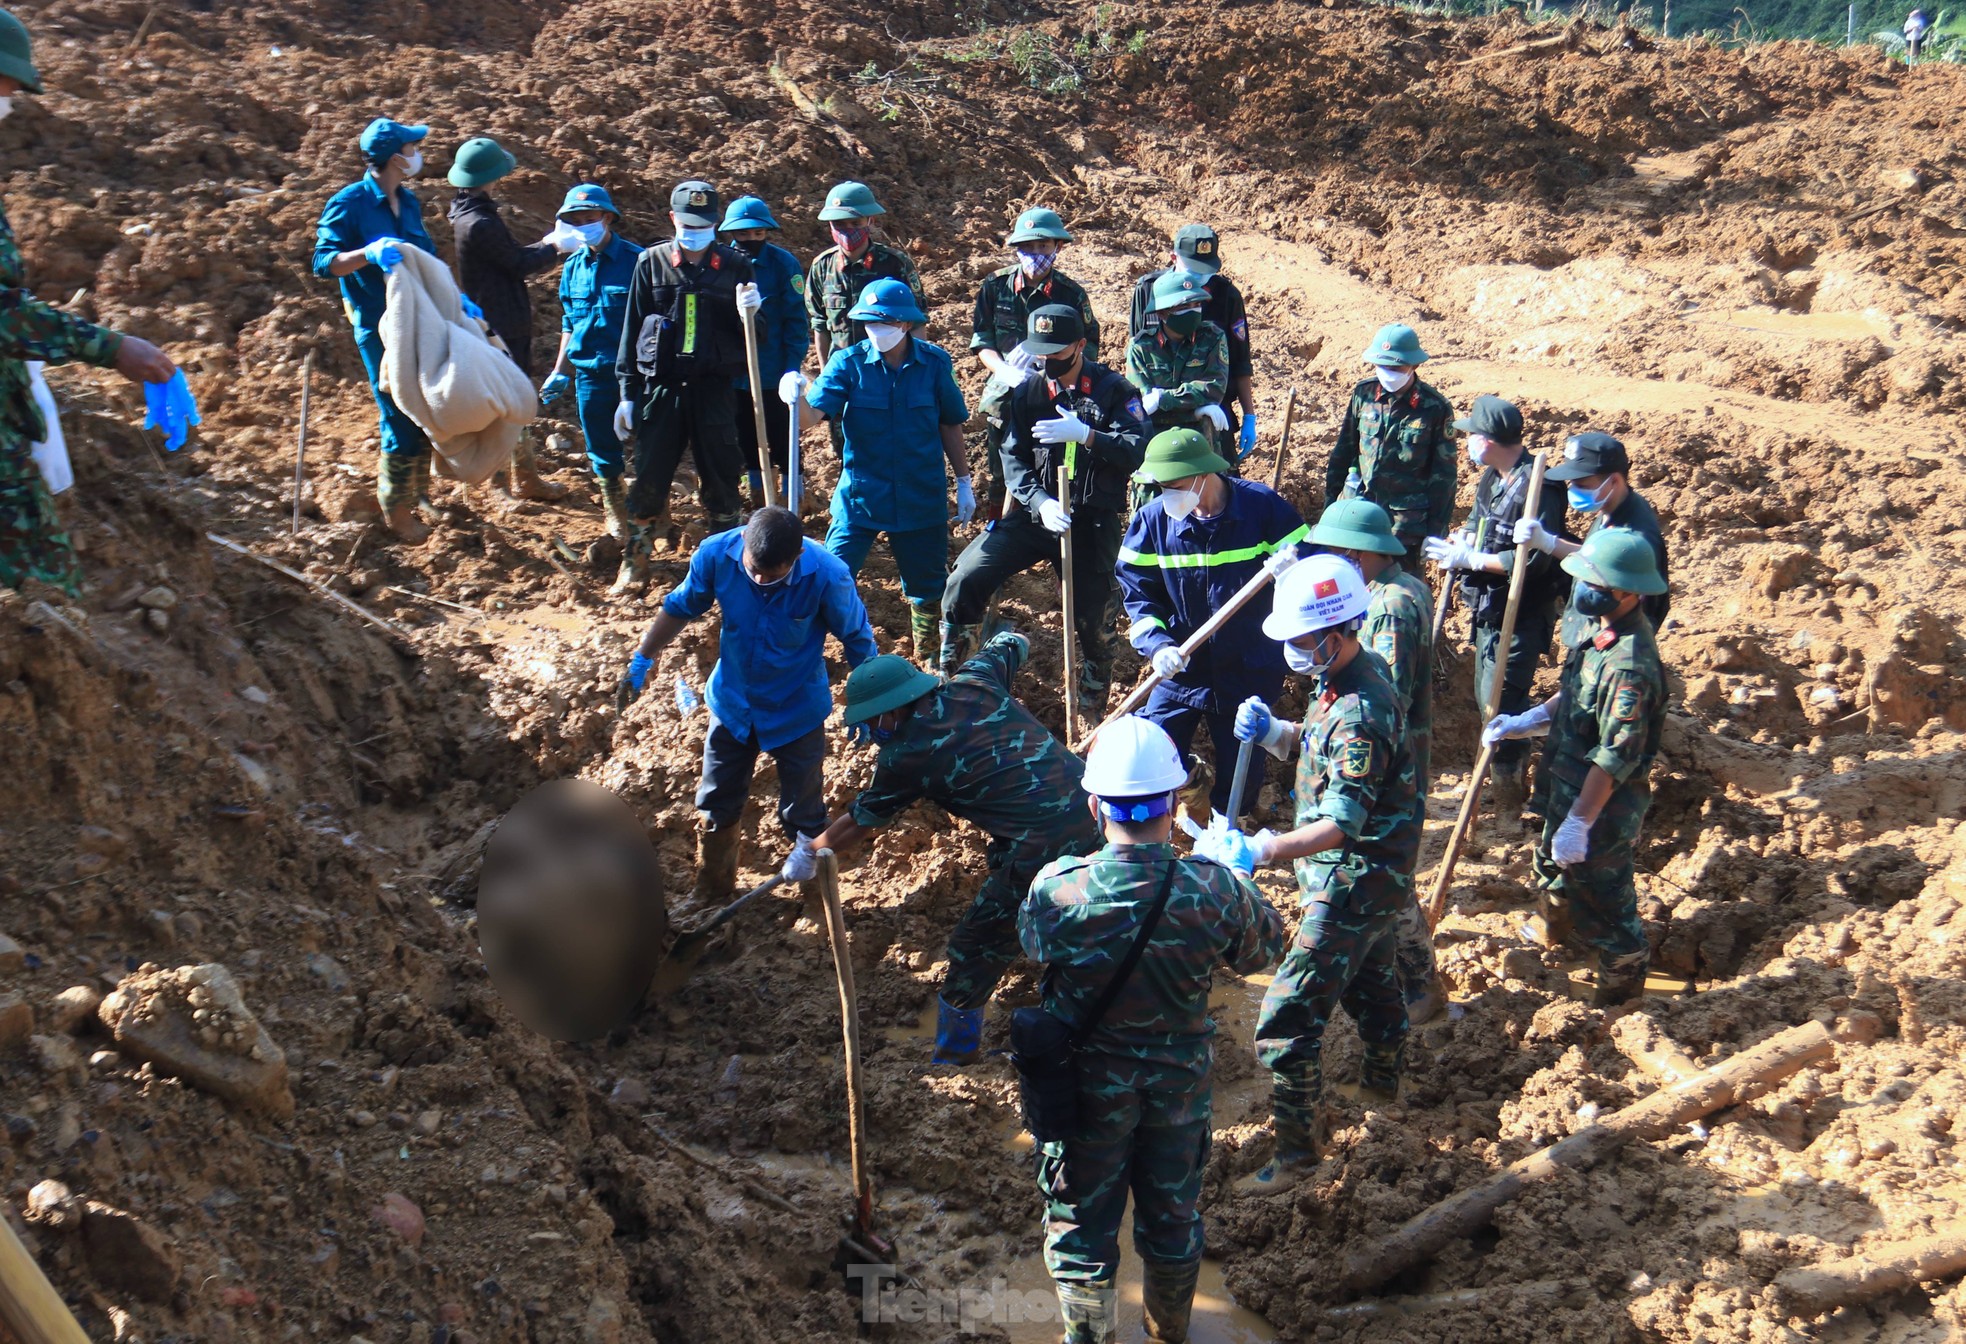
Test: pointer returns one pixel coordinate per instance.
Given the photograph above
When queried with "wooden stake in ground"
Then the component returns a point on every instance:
(1490, 702)
(1283, 444)
(300, 445)
(792, 459)
(30, 1309)
(1070, 609)
(1744, 1076)
(766, 473)
(856, 1105)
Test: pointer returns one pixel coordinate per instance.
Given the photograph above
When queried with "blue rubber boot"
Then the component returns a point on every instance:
(958, 1032)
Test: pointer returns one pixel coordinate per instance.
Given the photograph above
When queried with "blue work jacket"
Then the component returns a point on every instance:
(594, 300)
(354, 217)
(893, 475)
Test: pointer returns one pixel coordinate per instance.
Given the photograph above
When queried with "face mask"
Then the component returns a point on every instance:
(1589, 501)
(592, 234)
(1057, 366)
(1183, 324)
(1315, 661)
(850, 240)
(757, 582)
(413, 163)
(1393, 379)
(1178, 504)
(885, 335)
(882, 734)
(1476, 447)
(6, 107)
(1595, 601)
(750, 248)
(1035, 265)
(695, 240)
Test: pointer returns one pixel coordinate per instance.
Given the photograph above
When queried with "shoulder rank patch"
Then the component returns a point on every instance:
(1135, 410)
(1242, 328)
(1357, 760)
(1625, 704)
(798, 284)
(1604, 640)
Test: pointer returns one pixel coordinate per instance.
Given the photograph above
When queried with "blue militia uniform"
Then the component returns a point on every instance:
(593, 302)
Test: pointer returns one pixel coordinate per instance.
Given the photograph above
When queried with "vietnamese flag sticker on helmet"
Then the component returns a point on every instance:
(1325, 588)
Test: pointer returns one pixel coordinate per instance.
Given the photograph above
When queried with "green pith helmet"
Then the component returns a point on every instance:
(1178, 289)
(1619, 558)
(1357, 525)
(1395, 343)
(17, 53)
(885, 682)
(479, 163)
(1033, 225)
(850, 200)
(1176, 454)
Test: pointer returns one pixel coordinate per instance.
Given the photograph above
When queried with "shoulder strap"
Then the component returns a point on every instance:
(1114, 985)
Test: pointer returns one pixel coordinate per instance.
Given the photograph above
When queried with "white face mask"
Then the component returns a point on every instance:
(1309, 664)
(412, 163)
(1178, 504)
(592, 234)
(1476, 447)
(695, 240)
(885, 335)
(1393, 379)
(6, 107)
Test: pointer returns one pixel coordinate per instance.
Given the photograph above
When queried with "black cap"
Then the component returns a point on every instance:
(695, 204)
(1492, 418)
(1591, 453)
(1052, 328)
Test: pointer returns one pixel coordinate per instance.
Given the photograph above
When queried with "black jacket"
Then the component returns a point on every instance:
(682, 322)
(492, 268)
(1109, 405)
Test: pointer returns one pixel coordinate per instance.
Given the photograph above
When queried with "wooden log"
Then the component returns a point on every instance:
(1460, 1216)
(1818, 1289)
(1639, 1039)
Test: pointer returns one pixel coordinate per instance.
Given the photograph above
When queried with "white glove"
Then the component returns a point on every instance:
(565, 237)
(1284, 558)
(792, 386)
(1532, 723)
(1215, 416)
(1452, 553)
(1066, 428)
(965, 499)
(1150, 400)
(1167, 660)
(1572, 841)
(749, 299)
(1531, 531)
(1018, 366)
(802, 864)
(624, 422)
(1055, 516)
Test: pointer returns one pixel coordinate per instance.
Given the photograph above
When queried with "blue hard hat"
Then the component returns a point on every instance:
(887, 301)
(747, 212)
(589, 196)
(384, 139)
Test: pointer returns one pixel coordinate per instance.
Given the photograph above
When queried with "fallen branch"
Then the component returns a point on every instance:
(816, 114)
(301, 578)
(1460, 1216)
(1819, 1289)
(1571, 37)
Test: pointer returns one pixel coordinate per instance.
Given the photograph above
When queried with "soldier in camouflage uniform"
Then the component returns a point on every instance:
(1182, 366)
(1393, 446)
(1198, 251)
(33, 544)
(1358, 824)
(1004, 306)
(968, 746)
(855, 261)
(1594, 784)
(1399, 628)
(1144, 1068)
(1596, 475)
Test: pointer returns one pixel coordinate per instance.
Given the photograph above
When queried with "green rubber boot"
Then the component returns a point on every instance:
(1378, 1073)
(1301, 1139)
(1167, 1295)
(958, 645)
(925, 626)
(1090, 1312)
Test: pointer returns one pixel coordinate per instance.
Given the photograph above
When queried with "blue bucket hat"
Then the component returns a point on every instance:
(384, 139)
(589, 196)
(747, 212)
(887, 301)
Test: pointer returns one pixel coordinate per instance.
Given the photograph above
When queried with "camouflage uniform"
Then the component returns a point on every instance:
(1637, 514)
(1355, 771)
(833, 284)
(33, 544)
(1002, 319)
(1144, 1072)
(973, 750)
(1399, 628)
(1610, 712)
(1190, 373)
(1406, 461)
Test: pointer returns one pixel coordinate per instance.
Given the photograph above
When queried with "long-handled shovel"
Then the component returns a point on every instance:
(792, 460)
(1070, 609)
(1283, 445)
(680, 961)
(864, 1246)
(30, 1309)
(766, 474)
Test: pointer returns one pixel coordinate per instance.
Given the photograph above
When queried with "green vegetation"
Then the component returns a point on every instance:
(1738, 22)
(1050, 64)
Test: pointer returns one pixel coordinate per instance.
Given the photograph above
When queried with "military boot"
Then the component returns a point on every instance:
(1620, 983)
(1511, 791)
(1092, 693)
(925, 625)
(716, 864)
(958, 645)
(958, 1033)
(1301, 1138)
(526, 480)
(395, 490)
(1425, 1005)
(1194, 794)
(1378, 1073)
(1167, 1295)
(614, 503)
(1090, 1312)
(634, 575)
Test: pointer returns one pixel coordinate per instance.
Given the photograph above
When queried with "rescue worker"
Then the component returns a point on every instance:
(1596, 475)
(1001, 322)
(492, 267)
(1484, 554)
(782, 338)
(1198, 251)
(1075, 413)
(1392, 447)
(780, 595)
(853, 262)
(681, 347)
(33, 543)
(594, 288)
(1182, 366)
(965, 744)
(1144, 1089)
(1594, 784)
(894, 398)
(1188, 550)
(1917, 24)
(1358, 823)
(1399, 628)
(360, 238)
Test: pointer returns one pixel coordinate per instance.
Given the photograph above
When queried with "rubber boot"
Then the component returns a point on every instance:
(1299, 1125)
(1511, 791)
(1093, 683)
(958, 1032)
(1557, 928)
(925, 625)
(958, 646)
(634, 575)
(614, 503)
(1378, 1073)
(1090, 1312)
(526, 482)
(1618, 984)
(1425, 1006)
(395, 490)
(1194, 794)
(421, 477)
(716, 864)
(1167, 1295)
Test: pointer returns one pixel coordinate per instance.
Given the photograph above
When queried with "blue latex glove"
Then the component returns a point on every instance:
(632, 682)
(861, 733)
(386, 253)
(1231, 849)
(1253, 720)
(1246, 443)
(553, 389)
(471, 310)
(171, 409)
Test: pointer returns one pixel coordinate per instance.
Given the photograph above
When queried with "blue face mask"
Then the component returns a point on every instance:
(695, 240)
(592, 234)
(882, 734)
(1588, 501)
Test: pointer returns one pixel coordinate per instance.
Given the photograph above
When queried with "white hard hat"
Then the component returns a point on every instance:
(1133, 758)
(1316, 594)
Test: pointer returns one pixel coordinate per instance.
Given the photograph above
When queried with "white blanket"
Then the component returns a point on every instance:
(441, 368)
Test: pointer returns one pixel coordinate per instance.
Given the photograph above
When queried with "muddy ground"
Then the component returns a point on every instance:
(1748, 265)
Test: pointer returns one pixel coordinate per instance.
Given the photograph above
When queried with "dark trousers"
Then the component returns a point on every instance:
(698, 417)
(1528, 642)
(1014, 544)
(1180, 722)
(728, 761)
(778, 430)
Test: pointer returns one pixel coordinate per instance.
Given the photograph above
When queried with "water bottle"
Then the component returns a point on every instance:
(686, 699)
(1354, 487)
